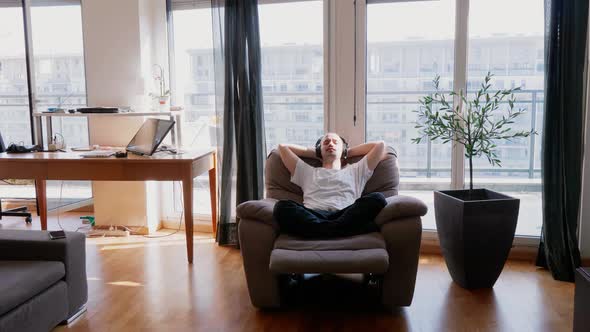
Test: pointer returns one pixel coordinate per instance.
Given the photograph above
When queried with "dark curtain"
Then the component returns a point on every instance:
(241, 143)
(566, 22)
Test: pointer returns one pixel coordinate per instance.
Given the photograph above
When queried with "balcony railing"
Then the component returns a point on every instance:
(532, 100)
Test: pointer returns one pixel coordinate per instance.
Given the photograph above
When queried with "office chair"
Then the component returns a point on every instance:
(15, 212)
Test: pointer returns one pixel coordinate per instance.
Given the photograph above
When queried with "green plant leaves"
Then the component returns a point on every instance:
(477, 127)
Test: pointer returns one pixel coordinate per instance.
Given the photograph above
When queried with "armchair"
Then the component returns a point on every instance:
(391, 254)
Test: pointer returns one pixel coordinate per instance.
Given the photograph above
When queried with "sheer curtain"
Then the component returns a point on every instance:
(241, 142)
(566, 24)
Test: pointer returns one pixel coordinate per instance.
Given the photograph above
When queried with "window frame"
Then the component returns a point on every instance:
(36, 130)
(525, 243)
(345, 71)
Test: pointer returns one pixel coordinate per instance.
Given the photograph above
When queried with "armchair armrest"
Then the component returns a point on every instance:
(401, 207)
(36, 245)
(257, 231)
(260, 210)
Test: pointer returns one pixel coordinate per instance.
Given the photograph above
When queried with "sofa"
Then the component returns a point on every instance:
(390, 255)
(42, 281)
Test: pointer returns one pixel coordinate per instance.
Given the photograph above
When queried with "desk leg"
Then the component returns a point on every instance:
(187, 193)
(41, 188)
(213, 194)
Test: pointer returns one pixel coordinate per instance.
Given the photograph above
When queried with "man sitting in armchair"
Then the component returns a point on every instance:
(332, 203)
(266, 230)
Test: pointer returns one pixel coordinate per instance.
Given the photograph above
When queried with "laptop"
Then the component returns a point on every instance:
(149, 136)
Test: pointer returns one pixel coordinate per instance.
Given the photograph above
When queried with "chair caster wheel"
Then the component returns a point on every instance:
(29, 220)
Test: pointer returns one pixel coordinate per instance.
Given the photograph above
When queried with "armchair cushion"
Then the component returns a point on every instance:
(364, 253)
(260, 210)
(329, 261)
(401, 207)
(357, 242)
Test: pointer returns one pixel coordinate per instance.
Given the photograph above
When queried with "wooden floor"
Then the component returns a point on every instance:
(140, 284)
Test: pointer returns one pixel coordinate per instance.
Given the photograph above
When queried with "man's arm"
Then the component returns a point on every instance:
(290, 154)
(375, 152)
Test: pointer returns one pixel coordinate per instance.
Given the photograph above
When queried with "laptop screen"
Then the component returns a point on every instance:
(149, 136)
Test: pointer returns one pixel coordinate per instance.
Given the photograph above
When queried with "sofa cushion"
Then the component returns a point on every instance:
(358, 242)
(22, 280)
(39, 314)
(329, 261)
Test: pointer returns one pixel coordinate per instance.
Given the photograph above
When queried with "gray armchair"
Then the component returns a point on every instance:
(392, 254)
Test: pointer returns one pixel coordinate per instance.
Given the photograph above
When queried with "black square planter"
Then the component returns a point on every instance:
(475, 232)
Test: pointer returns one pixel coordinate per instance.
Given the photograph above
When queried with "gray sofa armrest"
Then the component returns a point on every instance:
(401, 207)
(260, 210)
(36, 245)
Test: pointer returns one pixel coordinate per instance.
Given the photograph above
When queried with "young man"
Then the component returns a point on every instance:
(332, 203)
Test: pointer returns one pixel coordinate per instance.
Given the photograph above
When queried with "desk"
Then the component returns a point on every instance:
(43, 166)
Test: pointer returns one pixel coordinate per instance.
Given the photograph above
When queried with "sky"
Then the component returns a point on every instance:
(56, 30)
(436, 19)
(59, 29)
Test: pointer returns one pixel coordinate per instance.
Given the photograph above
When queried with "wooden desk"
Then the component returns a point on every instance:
(161, 166)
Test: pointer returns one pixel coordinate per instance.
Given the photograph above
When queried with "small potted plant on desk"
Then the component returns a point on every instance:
(163, 94)
(475, 226)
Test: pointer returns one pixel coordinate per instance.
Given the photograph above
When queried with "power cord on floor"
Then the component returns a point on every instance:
(146, 236)
(61, 186)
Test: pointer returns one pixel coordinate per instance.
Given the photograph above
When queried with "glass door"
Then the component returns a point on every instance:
(408, 44)
(291, 38)
(60, 83)
(15, 117)
(514, 53)
(15, 122)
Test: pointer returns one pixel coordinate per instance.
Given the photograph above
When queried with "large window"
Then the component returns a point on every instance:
(291, 35)
(58, 80)
(15, 125)
(408, 43)
(59, 64)
(292, 75)
(514, 52)
(194, 85)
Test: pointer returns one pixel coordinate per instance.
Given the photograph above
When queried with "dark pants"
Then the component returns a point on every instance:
(358, 218)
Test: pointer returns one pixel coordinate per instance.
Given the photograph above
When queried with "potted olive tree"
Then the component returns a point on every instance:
(475, 226)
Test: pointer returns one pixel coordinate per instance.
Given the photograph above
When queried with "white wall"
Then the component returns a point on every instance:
(344, 93)
(122, 41)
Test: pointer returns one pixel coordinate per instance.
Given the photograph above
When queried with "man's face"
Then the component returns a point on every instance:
(331, 146)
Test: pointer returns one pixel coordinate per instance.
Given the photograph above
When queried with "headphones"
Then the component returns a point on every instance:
(318, 147)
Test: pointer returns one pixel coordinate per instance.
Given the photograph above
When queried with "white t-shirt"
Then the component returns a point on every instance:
(331, 189)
